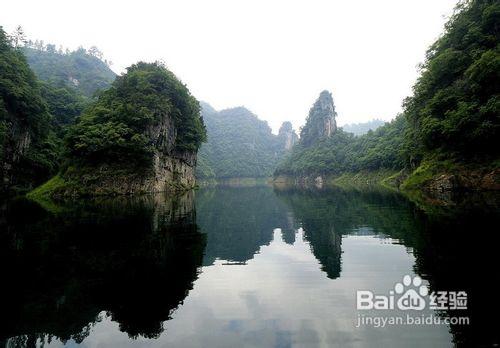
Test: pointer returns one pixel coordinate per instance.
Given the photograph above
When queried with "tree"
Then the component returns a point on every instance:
(95, 52)
(28, 152)
(115, 129)
(455, 107)
(18, 38)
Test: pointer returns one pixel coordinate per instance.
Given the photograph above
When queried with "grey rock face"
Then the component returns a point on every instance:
(321, 121)
(16, 145)
(169, 170)
(287, 135)
(326, 110)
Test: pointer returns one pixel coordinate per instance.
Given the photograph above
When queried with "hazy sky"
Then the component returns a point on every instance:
(274, 57)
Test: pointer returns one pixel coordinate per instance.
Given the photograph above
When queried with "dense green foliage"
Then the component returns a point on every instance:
(456, 102)
(238, 145)
(343, 152)
(82, 70)
(71, 79)
(363, 127)
(454, 112)
(114, 129)
(64, 104)
(28, 147)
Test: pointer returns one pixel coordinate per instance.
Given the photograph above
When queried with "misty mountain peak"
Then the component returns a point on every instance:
(321, 121)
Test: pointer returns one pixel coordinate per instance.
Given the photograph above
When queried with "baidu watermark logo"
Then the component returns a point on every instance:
(410, 296)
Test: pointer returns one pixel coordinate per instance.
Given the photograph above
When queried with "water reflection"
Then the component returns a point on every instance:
(136, 259)
(454, 245)
(250, 266)
(238, 221)
(326, 215)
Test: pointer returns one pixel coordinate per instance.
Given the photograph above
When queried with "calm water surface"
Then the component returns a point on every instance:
(241, 267)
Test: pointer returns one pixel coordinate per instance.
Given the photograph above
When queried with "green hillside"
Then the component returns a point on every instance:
(82, 70)
(238, 145)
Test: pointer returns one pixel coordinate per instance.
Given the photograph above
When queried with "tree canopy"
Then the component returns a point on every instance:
(82, 70)
(27, 144)
(456, 103)
(114, 128)
(343, 152)
(239, 145)
(454, 110)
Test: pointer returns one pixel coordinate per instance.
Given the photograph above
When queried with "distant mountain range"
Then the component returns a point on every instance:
(362, 128)
(82, 70)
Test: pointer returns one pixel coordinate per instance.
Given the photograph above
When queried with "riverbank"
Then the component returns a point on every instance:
(433, 183)
(360, 180)
(234, 182)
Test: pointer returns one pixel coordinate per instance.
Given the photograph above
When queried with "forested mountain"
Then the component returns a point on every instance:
(141, 135)
(43, 91)
(450, 126)
(82, 70)
(334, 151)
(455, 107)
(343, 152)
(240, 145)
(28, 146)
(69, 79)
(363, 127)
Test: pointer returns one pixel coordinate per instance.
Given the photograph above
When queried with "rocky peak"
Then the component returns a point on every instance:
(321, 121)
(287, 135)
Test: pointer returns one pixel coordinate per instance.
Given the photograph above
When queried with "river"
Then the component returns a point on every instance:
(249, 267)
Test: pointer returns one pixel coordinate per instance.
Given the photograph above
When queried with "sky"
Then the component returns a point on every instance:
(273, 57)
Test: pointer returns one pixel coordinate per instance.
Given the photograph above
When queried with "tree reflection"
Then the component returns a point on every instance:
(454, 244)
(135, 258)
(238, 221)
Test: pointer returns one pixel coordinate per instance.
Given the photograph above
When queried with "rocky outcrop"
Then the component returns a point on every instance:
(140, 136)
(14, 146)
(168, 173)
(169, 170)
(287, 136)
(474, 180)
(321, 121)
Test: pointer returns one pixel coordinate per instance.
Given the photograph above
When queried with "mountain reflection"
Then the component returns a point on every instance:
(135, 258)
(453, 245)
(238, 221)
(326, 215)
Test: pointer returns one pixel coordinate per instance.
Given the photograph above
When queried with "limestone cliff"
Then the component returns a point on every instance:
(321, 121)
(14, 147)
(141, 135)
(287, 136)
(26, 156)
(169, 169)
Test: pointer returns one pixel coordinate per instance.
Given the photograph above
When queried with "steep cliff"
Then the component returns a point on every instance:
(287, 136)
(25, 138)
(141, 135)
(321, 121)
(332, 153)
